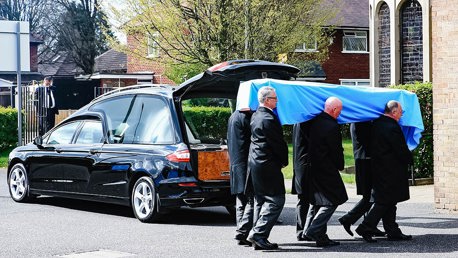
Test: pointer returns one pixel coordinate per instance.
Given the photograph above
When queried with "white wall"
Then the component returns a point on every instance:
(8, 46)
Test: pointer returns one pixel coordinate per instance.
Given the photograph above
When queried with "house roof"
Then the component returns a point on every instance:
(350, 13)
(61, 65)
(111, 61)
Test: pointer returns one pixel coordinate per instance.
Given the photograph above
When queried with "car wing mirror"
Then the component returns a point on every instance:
(38, 141)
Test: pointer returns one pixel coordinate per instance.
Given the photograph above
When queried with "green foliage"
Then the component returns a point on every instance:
(8, 127)
(209, 32)
(181, 72)
(423, 154)
(208, 122)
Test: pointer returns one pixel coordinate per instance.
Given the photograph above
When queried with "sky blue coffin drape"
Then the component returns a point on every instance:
(300, 101)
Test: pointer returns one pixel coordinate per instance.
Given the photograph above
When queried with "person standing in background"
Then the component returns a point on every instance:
(45, 104)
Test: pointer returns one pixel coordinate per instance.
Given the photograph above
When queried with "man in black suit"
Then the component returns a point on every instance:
(45, 104)
(361, 138)
(390, 160)
(267, 156)
(301, 178)
(238, 143)
(326, 158)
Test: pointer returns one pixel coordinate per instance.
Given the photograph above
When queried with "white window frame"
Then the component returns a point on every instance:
(152, 46)
(354, 34)
(356, 82)
(306, 47)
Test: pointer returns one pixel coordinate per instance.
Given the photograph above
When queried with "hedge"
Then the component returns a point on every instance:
(8, 127)
(423, 154)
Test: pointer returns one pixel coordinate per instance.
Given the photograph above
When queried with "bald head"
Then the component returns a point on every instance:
(393, 109)
(333, 106)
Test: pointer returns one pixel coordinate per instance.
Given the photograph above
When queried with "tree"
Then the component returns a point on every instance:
(81, 30)
(210, 31)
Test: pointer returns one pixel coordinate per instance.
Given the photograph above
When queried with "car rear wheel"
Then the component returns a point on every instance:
(144, 203)
(19, 184)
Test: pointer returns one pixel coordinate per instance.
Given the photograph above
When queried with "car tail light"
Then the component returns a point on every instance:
(190, 184)
(216, 67)
(179, 156)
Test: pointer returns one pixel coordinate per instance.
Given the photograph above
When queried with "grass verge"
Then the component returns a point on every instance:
(4, 157)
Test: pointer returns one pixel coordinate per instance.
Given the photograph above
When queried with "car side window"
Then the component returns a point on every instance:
(91, 132)
(138, 119)
(63, 134)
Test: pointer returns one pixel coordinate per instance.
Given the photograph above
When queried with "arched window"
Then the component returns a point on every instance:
(411, 42)
(384, 45)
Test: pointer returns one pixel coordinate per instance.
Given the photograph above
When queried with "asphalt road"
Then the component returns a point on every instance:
(53, 227)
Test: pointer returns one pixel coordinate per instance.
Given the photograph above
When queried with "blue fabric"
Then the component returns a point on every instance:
(301, 101)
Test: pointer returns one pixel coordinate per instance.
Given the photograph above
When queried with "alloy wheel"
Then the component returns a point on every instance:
(143, 199)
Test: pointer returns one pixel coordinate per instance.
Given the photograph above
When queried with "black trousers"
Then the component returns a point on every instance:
(360, 208)
(302, 208)
(384, 212)
(244, 211)
(46, 121)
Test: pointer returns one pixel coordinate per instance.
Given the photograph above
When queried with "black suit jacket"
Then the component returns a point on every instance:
(326, 156)
(238, 144)
(361, 138)
(301, 158)
(42, 94)
(268, 153)
(390, 160)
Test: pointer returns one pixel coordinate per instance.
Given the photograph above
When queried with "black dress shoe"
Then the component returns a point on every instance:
(378, 233)
(304, 238)
(244, 242)
(324, 241)
(274, 245)
(399, 237)
(365, 234)
(346, 226)
(262, 244)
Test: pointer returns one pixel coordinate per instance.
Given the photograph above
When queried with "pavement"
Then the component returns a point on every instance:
(434, 234)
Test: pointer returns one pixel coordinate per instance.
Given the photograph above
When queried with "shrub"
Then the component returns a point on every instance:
(208, 122)
(8, 127)
(423, 154)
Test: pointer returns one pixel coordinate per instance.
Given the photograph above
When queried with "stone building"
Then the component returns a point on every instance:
(417, 40)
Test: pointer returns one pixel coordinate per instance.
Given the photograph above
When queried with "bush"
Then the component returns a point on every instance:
(208, 122)
(8, 128)
(423, 154)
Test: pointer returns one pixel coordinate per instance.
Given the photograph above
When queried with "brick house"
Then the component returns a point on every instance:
(348, 60)
(143, 59)
(415, 40)
(111, 69)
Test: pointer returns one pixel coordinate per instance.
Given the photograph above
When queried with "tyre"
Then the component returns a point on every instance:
(18, 184)
(143, 198)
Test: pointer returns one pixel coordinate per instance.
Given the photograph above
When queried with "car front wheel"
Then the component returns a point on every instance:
(144, 200)
(19, 184)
